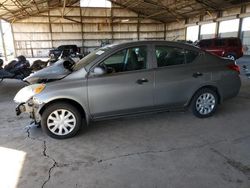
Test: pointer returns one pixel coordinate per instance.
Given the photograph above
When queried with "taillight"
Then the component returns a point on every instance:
(234, 67)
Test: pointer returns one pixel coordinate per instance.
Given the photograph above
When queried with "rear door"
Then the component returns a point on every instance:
(126, 88)
(178, 75)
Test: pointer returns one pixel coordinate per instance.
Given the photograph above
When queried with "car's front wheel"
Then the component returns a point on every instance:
(204, 103)
(61, 120)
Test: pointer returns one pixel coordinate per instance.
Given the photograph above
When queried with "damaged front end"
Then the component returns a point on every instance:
(28, 103)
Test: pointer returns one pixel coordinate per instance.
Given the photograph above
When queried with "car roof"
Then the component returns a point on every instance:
(156, 42)
(221, 38)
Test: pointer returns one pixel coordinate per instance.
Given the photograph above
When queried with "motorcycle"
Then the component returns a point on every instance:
(15, 69)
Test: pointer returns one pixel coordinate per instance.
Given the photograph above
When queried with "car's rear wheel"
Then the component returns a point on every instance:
(61, 120)
(231, 56)
(204, 103)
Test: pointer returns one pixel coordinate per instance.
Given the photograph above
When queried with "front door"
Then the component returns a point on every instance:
(126, 87)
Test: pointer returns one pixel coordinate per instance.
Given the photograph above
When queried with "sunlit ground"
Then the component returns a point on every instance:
(11, 164)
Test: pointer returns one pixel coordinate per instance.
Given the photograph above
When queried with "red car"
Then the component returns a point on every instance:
(225, 47)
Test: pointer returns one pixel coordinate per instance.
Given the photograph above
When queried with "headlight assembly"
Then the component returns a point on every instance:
(27, 92)
(39, 88)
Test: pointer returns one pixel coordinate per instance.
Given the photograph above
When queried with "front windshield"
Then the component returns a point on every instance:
(90, 57)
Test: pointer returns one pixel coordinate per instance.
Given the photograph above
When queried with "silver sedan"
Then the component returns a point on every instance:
(127, 79)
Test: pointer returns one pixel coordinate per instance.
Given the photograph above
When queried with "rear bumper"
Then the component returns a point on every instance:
(232, 89)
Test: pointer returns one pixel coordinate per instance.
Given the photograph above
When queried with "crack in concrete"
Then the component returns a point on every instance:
(235, 164)
(240, 139)
(158, 151)
(28, 131)
(44, 152)
(55, 164)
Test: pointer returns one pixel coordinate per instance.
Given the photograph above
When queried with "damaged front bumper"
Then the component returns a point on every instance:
(32, 107)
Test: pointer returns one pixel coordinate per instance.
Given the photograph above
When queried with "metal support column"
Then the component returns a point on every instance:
(112, 25)
(138, 27)
(243, 10)
(83, 50)
(50, 30)
(14, 40)
(3, 43)
(218, 24)
(165, 31)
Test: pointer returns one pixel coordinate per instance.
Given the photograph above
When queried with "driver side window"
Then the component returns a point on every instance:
(126, 60)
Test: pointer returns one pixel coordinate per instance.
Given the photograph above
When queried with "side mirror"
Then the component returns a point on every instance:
(98, 71)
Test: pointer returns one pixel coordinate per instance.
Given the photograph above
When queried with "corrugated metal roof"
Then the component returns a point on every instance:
(11, 10)
(172, 10)
(162, 10)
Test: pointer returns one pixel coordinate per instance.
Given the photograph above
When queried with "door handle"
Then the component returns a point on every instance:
(197, 74)
(141, 81)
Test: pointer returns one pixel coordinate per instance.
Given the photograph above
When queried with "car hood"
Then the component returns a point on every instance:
(48, 74)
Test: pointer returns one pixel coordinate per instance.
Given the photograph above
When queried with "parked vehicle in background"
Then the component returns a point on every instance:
(67, 49)
(225, 47)
(127, 79)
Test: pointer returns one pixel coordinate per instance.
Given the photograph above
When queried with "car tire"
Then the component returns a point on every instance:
(61, 120)
(204, 103)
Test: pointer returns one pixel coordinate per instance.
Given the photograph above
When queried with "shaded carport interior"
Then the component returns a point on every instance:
(39, 25)
(169, 149)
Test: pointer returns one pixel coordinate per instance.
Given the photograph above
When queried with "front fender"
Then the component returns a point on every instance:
(75, 91)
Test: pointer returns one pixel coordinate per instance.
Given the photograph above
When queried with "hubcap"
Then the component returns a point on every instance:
(231, 57)
(205, 103)
(61, 122)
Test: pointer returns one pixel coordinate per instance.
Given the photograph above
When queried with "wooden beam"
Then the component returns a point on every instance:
(63, 8)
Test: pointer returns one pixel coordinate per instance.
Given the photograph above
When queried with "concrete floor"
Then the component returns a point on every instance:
(162, 150)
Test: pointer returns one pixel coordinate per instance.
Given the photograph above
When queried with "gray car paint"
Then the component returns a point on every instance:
(119, 94)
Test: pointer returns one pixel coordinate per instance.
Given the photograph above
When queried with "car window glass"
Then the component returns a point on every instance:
(191, 55)
(220, 42)
(127, 60)
(168, 56)
(232, 42)
(205, 43)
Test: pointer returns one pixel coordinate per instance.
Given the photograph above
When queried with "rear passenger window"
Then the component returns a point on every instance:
(220, 42)
(190, 56)
(205, 43)
(169, 56)
(233, 42)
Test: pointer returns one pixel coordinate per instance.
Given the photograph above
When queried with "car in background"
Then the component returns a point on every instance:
(68, 49)
(225, 47)
(127, 79)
